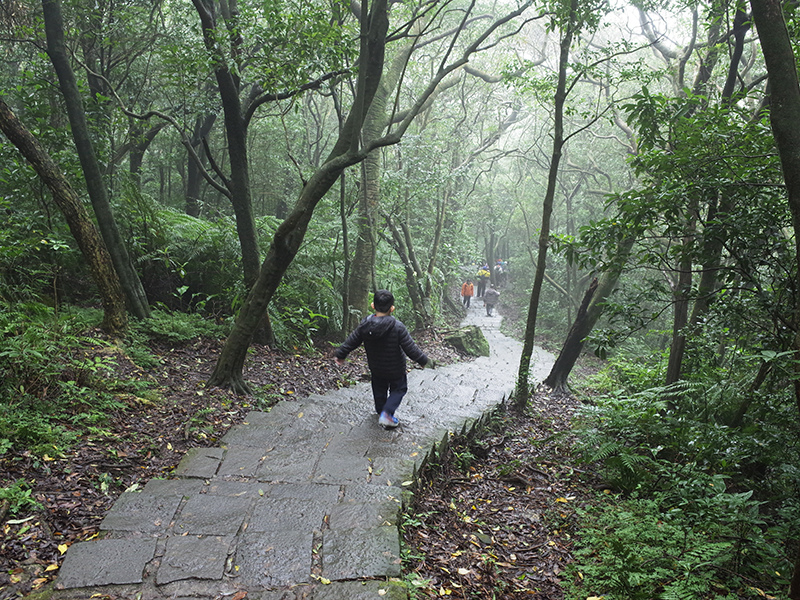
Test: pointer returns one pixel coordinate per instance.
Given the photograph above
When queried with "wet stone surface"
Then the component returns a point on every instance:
(104, 562)
(307, 492)
(194, 557)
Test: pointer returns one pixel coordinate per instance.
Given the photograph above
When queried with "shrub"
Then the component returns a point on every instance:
(633, 551)
(54, 378)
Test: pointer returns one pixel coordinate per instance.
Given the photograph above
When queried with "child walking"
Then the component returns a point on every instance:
(387, 343)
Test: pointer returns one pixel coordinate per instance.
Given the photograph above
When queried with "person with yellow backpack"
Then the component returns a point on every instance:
(483, 277)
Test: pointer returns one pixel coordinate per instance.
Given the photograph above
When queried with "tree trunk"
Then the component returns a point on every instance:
(140, 142)
(402, 244)
(56, 50)
(738, 418)
(115, 319)
(362, 267)
(345, 250)
(573, 345)
(680, 318)
(583, 325)
(523, 376)
(784, 117)
(194, 178)
(236, 129)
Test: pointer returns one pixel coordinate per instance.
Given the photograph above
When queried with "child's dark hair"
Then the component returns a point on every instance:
(383, 301)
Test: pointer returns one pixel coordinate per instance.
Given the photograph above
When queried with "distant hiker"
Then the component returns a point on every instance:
(387, 343)
(483, 277)
(490, 299)
(467, 291)
(498, 273)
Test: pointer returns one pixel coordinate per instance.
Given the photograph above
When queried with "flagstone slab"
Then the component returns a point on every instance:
(212, 515)
(201, 463)
(277, 558)
(141, 512)
(123, 561)
(355, 553)
(194, 557)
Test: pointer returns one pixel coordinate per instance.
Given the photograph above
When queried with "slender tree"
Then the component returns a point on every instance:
(784, 117)
(96, 186)
(570, 25)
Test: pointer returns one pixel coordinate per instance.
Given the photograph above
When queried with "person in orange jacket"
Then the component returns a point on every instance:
(467, 291)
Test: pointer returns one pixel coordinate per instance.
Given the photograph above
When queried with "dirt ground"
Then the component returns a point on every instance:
(493, 518)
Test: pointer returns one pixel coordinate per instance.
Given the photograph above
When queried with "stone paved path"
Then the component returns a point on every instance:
(298, 502)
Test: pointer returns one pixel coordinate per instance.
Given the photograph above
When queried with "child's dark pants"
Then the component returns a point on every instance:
(394, 388)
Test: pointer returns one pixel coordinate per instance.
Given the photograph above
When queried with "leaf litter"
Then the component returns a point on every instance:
(495, 516)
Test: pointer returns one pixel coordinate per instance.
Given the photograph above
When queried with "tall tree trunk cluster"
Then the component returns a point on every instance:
(96, 186)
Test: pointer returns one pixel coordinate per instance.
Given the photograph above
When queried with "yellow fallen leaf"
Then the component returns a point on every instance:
(37, 583)
(62, 548)
(51, 568)
(300, 415)
(169, 446)
(562, 500)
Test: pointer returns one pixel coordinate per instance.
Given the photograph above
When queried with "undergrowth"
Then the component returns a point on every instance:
(698, 509)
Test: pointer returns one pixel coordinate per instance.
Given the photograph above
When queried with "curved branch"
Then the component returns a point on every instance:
(274, 97)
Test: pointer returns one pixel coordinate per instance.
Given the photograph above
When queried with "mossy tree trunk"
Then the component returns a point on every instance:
(115, 318)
